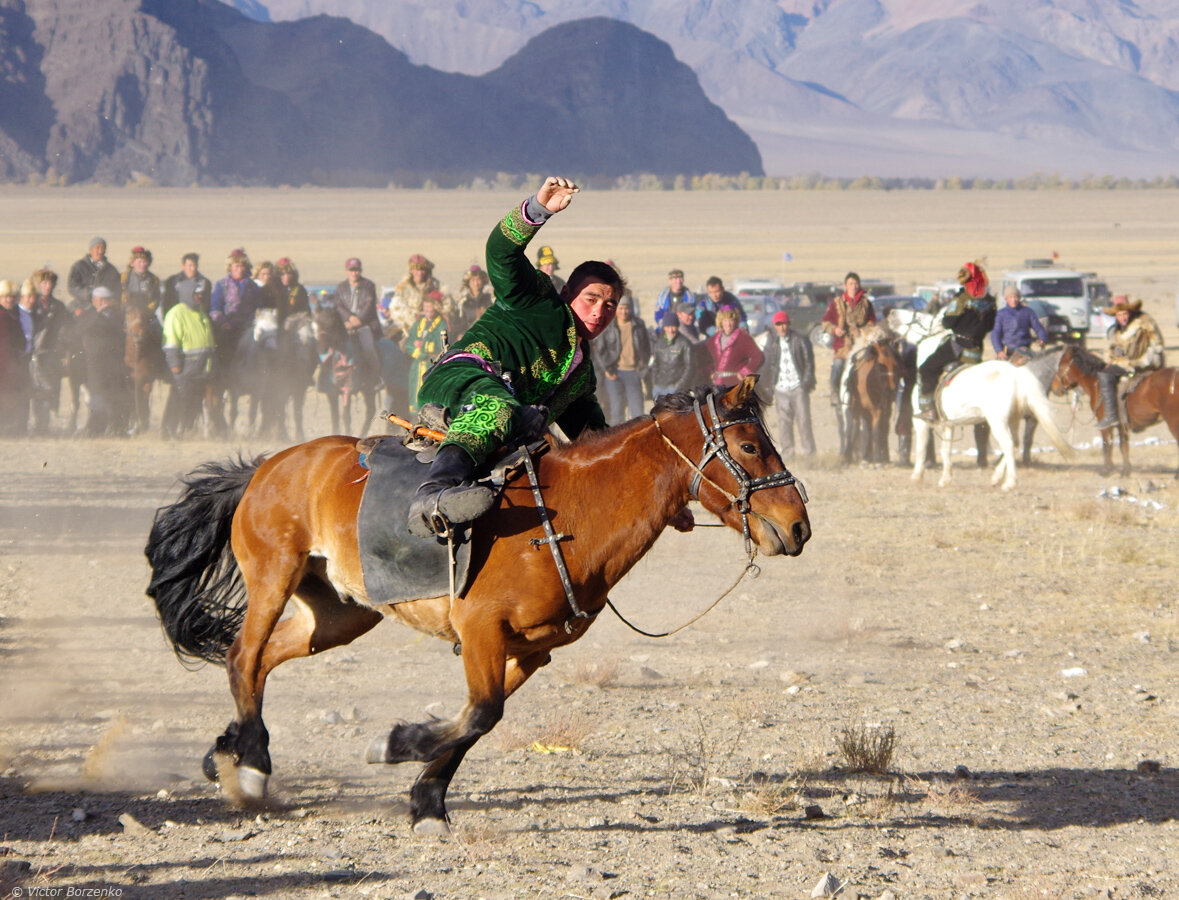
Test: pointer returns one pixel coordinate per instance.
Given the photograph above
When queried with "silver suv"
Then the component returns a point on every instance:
(1063, 292)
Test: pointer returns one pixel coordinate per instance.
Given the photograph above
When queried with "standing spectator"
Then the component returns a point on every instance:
(675, 292)
(231, 308)
(734, 353)
(719, 298)
(789, 371)
(50, 349)
(404, 307)
(140, 285)
(474, 298)
(181, 287)
(685, 314)
(293, 297)
(846, 316)
(188, 350)
(1014, 324)
(89, 272)
(14, 368)
(673, 359)
(622, 353)
(546, 261)
(356, 302)
(424, 343)
(104, 343)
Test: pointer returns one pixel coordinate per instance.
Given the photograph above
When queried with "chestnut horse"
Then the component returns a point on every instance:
(872, 386)
(144, 358)
(1153, 399)
(247, 537)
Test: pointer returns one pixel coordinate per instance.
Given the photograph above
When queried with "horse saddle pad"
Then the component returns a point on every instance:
(396, 565)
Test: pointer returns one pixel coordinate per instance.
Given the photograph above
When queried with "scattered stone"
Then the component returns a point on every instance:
(953, 644)
(1013, 654)
(584, 873)
(79, 815)
(650, 674)
(134, 827)
(760, 664)
(352, 714)
(828, 886)
(814, 811)
(1074, 672)
(422, 894)
(963, 773)
(1149, 766)
(234, 835)
(330, 717)
(595, 822)
(1143, 636)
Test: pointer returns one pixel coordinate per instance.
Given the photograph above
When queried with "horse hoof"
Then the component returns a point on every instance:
(431, 827)
(252, 783)
(209, 765)
(378, 750)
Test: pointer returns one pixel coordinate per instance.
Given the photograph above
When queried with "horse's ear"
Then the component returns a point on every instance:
(739, 396)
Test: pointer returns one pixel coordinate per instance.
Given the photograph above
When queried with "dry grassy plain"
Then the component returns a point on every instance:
(1022, 646)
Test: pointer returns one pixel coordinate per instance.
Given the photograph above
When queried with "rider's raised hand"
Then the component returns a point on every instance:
(556, 192)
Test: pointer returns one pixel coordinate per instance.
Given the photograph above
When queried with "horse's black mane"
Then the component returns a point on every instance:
(685, 400)
(1089, 363)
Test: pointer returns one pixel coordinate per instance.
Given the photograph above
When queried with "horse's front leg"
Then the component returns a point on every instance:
(1124, 445)
(428, 796)
(947, 435)
(921, 433)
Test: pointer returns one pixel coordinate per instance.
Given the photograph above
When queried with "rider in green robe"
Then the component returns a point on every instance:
(523, 364)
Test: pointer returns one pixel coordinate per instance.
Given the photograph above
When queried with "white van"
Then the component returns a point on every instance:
(1062, 290)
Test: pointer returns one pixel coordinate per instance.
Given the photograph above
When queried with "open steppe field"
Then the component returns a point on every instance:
(1020, 647)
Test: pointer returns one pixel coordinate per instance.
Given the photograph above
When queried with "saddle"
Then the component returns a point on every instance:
(397, 566)
(944, 381)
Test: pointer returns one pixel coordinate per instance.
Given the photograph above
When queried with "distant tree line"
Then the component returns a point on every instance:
(713, 181)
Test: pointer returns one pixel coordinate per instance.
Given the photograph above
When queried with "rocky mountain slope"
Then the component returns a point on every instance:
(889, 87)
(183, 91)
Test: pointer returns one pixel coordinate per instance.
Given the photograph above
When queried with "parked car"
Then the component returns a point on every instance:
(1062, 289)
(1060, 331)
(762, 297)
(886, 302)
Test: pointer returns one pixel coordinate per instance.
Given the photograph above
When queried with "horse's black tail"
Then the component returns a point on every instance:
(195, 581)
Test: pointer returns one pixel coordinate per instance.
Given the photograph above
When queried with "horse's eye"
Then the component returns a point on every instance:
(749, 448)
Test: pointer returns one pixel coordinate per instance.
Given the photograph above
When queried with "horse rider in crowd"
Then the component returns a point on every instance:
(524, 364)
(969, 316)
(179, 288)
(847, 315)
(734, 353)
(232, 306)
(546, 261)
(356, 304)
(271, 293)
(474, 298)
(789, 372)
(621, 354)
(673, 359)
(1014, 325)
(50, 349)
(674, 293)
(188, 351)
(141, 286)
(404, 306)
(89, 272)
(294, 299)
(1135, 346)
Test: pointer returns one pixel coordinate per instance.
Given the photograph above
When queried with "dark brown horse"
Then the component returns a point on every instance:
(872, 387)
(341, 372)
(144, 358)
(247, 537)
(1155, 398)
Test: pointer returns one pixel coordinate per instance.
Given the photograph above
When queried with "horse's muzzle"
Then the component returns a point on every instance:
(778, 540)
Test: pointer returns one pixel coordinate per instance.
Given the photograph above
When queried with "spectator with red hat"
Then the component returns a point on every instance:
(788, 371)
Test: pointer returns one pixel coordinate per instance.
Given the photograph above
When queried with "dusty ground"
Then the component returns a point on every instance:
(948, 615)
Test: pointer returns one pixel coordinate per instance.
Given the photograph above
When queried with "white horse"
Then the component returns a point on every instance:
(995, 392)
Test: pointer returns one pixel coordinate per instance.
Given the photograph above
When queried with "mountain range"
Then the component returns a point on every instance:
(878, 87)
(193, 91)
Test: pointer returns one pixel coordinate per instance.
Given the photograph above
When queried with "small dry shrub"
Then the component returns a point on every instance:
(952, 799)
(772, 798)
(597, 672)
(696, 763)
(868, 748)
(564, 729)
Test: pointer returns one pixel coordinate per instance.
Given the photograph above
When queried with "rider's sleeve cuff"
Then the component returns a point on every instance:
(534, 212)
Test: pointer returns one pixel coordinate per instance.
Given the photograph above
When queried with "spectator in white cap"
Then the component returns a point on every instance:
(91, 271)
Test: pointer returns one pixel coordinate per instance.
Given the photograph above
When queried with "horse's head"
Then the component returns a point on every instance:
(329, 330)
(737, 474)
(1068, 372)
(890, 363)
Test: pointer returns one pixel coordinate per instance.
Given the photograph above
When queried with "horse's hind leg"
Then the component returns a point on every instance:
(428, 796)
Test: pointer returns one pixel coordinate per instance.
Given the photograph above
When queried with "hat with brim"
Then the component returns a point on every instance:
(546, 257)
(1122, 303)
(781, 318)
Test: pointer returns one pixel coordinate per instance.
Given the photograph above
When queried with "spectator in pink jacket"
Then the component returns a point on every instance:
(734, 354)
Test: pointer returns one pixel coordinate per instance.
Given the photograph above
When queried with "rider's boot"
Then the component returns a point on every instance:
(448, 493)
(904, 450)
(1109, 401)
(925, 408)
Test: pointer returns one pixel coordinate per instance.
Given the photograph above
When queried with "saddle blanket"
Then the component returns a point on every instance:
(396, 565)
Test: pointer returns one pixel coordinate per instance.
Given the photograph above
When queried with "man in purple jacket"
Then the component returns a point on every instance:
(1014, 324)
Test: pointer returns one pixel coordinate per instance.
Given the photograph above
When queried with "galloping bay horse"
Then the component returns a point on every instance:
(247, 537)
(1154, 398)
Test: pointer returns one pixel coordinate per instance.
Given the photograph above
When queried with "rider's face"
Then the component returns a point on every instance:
(851, 287)
(1123, 317)
(1012, 300)
(594, 306)
(237, 271)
